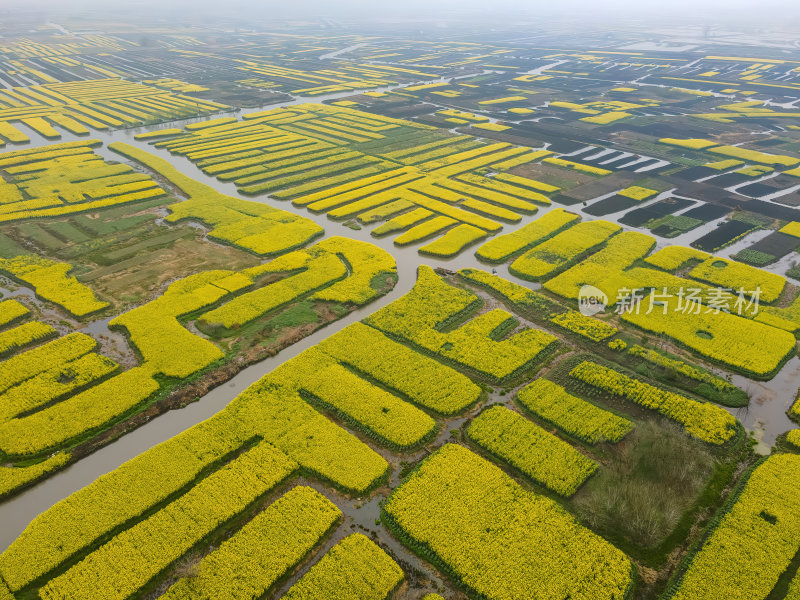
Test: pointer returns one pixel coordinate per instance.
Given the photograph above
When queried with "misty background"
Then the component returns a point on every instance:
(745, 13)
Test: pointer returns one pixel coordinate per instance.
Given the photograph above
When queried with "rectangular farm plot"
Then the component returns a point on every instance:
(11, 310)
(39, 416)
(23, 335)
(95, 103)
(403, 221)
(316, 443)
(417, 377)
(306, 153)
(356, 568)
(743, 344)
(641, 217)
(54, 384)
(385, 211)
(573, 415)
(318, 273)
(671, 258)
(424, 230)
(248, 564)
(45, 430)
(539, 454)
(561, 250)
(129, 560)
(500, 540)
(502, 247)
(454, 241)
(52, 355)
(51, 281)
(768, 250)
(756, 156)
(703, 420)
(392, 421)
(735, 275)
(491, 210)
(68, 178)
(419, 315)
(755, 542)
(497, 192)
(725, 234)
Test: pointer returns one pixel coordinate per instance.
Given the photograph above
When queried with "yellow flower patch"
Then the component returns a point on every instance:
(693, 143)
(454, 241)
(553, 254)
(792, 228)
(588, 327)
(735, 275)
(503, 100)
(638, 193)
(756, 156)
(491, 126)
(416, 316)
(703, 420)
(539, 454)
(722, 165)
(354, 568)
(500, 540)
(755, 542)
(577, 417)
(568, 164)
(50, 281)
(606, 118)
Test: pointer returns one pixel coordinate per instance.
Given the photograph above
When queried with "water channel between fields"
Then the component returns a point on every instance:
(765, 416)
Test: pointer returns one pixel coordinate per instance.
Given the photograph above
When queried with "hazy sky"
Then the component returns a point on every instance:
(756, 12)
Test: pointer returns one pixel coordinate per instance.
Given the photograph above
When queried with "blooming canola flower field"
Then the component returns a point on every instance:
(377, 317)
